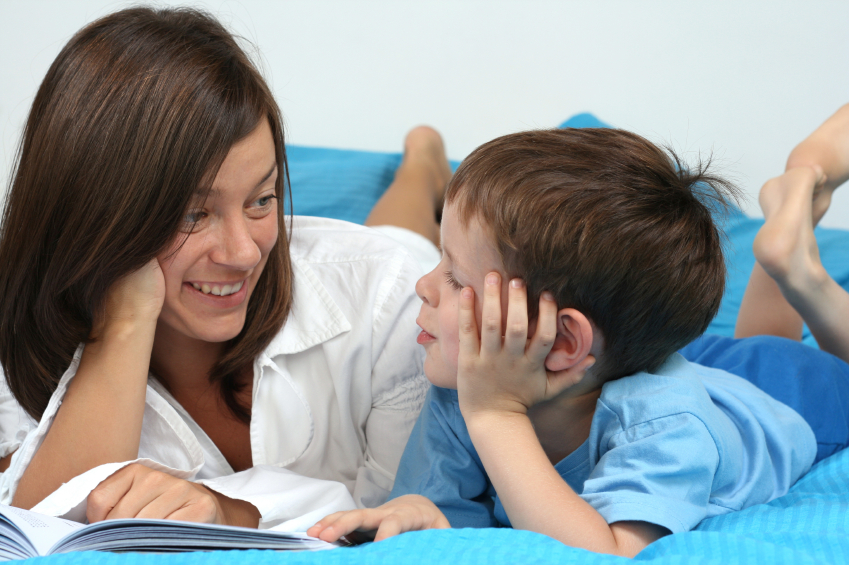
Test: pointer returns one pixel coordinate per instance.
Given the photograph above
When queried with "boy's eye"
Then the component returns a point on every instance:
(452, 282)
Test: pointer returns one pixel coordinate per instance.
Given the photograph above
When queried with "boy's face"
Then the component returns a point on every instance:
(468, 255)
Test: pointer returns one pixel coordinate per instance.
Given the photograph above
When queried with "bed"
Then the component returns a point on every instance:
(808, 525)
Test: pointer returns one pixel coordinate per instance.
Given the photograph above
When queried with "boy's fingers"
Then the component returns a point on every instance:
(324, 523)
(398, 523)
(491, 315)
(516, 332)
(546, 330)
(468, 327)
(366, 520)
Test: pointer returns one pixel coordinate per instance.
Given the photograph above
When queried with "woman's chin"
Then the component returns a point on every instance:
(206, 330)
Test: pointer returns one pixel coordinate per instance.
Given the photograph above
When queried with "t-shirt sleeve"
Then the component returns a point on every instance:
(441, 464)
(659, 471)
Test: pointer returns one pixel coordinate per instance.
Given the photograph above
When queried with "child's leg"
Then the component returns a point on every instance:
(765, 310)
(788, 261)
(788, 283)
(414, 198)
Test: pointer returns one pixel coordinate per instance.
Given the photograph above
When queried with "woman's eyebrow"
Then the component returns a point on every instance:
(212, 192)
(267, 175)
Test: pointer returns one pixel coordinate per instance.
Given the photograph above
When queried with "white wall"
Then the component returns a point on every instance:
(744, 80)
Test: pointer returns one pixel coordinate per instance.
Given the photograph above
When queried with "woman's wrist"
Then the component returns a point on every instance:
(235, 512)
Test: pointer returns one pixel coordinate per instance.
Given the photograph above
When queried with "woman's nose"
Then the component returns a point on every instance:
(236, 247)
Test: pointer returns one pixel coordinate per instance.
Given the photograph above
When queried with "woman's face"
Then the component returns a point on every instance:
(211, 277)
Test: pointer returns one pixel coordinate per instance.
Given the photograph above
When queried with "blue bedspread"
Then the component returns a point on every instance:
(808, 525)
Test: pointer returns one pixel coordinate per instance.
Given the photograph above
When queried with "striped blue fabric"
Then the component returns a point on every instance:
(808, 525)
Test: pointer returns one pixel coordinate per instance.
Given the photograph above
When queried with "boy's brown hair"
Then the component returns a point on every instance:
(610, 224)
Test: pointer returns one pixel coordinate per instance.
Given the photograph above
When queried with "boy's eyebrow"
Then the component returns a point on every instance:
(216, 192)
(450, 258)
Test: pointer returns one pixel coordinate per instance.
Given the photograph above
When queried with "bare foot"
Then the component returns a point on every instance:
(786, 246)
(423, 147)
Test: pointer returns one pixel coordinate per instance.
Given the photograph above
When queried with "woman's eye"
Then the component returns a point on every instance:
(261, 207)
(452, 282)
(194, 216)
(265, 200)
(192, 220)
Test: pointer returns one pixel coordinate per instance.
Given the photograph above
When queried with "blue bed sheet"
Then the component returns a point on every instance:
(808, 525)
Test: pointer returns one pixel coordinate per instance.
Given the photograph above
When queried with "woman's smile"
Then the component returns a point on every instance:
(219, 295)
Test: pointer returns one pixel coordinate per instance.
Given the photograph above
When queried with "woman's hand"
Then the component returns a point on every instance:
(137, 491)
(135, 298)
(403, 514)
(100, 418)
(504, 371)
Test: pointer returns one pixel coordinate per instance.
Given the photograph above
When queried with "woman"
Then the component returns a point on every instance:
(273, 364)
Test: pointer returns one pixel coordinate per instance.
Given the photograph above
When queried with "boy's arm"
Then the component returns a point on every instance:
(537, 498)
(497, 384)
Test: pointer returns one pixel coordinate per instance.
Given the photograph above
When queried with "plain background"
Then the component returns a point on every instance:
(742, 81)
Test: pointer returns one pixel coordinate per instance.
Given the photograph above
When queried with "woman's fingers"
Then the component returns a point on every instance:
(469, 344)
(197, 509)
(139, 492)
(546, 330)
(516, 332)
(180, 500)
(491, 316)
(108, 494)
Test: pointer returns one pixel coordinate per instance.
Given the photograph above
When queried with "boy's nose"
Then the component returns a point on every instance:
(426, 290)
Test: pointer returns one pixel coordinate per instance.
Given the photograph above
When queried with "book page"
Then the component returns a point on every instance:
(172, 535)
(42, 531)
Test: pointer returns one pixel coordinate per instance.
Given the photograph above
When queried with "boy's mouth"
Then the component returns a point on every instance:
(425, 338)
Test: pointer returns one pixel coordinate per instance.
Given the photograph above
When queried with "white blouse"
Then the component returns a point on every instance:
(335, 394)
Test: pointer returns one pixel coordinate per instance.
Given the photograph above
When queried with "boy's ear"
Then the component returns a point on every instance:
(573, 344)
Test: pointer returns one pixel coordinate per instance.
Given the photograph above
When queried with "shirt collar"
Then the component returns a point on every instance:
(314, 318)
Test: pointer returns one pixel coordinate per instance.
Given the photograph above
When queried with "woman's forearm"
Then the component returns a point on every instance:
(100, 418)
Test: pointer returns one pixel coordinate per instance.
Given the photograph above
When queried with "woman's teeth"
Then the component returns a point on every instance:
(219, 290)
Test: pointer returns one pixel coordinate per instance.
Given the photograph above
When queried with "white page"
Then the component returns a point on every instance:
(43, 531)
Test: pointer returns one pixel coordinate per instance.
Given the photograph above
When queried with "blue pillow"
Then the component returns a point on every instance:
(345, 184)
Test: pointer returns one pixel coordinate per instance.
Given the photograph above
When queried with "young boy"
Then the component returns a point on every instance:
(583, 424)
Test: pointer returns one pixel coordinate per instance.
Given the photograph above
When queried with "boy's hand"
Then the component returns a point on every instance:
(504, 371)
(403, 514)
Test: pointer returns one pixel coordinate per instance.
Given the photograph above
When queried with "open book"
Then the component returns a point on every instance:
(25, 534)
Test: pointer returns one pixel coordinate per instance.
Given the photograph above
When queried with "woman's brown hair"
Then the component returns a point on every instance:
(135, 115)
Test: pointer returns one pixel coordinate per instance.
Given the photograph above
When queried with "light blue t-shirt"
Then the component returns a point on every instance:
(670, 448)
